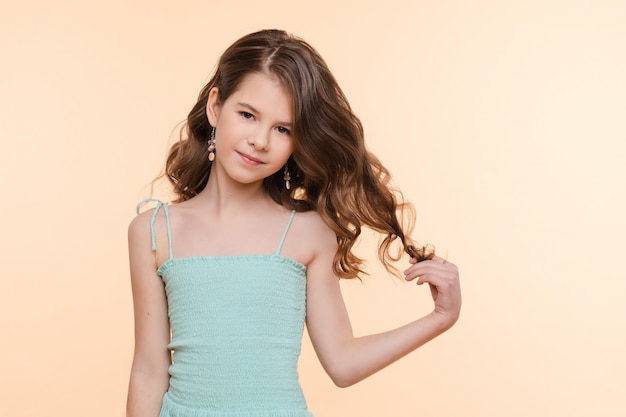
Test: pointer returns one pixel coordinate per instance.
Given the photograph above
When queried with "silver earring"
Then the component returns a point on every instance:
(287, 177)
(211, 144)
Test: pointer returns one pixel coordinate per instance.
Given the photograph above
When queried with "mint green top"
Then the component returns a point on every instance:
(237, 324)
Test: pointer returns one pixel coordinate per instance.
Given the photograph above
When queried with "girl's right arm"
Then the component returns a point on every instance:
(149, 376)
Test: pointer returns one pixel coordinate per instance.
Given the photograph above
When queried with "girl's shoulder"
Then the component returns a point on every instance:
(159, 216)
(149, 228)
(145, 216)
(313, 222)
(310, 229)
(148, 211)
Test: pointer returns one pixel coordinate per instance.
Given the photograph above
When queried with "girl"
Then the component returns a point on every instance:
(274, 185)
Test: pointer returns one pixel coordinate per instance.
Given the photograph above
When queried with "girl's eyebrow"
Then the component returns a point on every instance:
(253, 110)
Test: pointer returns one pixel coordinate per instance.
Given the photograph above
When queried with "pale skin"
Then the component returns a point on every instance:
(234, 216)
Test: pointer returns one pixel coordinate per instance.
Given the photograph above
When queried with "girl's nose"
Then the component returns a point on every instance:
(259, 140)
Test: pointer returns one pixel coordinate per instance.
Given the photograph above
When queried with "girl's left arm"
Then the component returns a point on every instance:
(348, 359)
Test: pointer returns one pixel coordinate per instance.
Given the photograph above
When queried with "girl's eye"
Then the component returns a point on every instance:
(283, 130)
(246, 115)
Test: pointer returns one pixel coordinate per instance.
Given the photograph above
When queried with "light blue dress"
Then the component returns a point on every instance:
(237, 324)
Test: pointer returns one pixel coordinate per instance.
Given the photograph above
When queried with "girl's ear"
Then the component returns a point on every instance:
(213, 106)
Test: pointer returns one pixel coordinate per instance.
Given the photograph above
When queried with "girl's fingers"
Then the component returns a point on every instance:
(434, 266)
(442, 278)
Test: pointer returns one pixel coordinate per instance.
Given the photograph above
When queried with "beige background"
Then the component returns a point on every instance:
(504, 121)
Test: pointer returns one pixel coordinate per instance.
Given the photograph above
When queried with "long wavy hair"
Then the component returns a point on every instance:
(332, 172)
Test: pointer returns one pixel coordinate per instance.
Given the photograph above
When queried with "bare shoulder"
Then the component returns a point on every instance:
(312, 222)
(139, 226)
(312, 229)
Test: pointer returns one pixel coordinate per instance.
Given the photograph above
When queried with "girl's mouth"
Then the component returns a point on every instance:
(250, 160)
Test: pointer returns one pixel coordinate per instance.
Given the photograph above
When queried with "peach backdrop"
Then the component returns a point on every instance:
(502, 120)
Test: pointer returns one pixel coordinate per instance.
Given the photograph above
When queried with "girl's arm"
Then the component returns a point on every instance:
(347, 359)
(149, 376)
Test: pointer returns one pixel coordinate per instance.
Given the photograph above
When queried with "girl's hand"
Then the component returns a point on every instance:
(443, 279)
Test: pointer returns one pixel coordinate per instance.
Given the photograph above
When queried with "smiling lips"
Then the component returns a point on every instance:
(250, 160)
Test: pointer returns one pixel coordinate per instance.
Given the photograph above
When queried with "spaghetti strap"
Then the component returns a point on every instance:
(282, 239)
(166, 211)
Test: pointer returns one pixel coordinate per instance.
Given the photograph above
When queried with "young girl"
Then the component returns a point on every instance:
(274, 184)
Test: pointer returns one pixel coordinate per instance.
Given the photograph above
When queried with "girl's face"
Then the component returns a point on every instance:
(253, 129)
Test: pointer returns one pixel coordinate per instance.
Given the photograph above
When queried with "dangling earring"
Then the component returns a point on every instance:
(287, 177)
(211, 144)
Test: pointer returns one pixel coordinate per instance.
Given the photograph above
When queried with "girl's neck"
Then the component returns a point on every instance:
(226, 196)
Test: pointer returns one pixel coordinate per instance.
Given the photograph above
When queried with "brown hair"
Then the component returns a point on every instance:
(331, 170)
